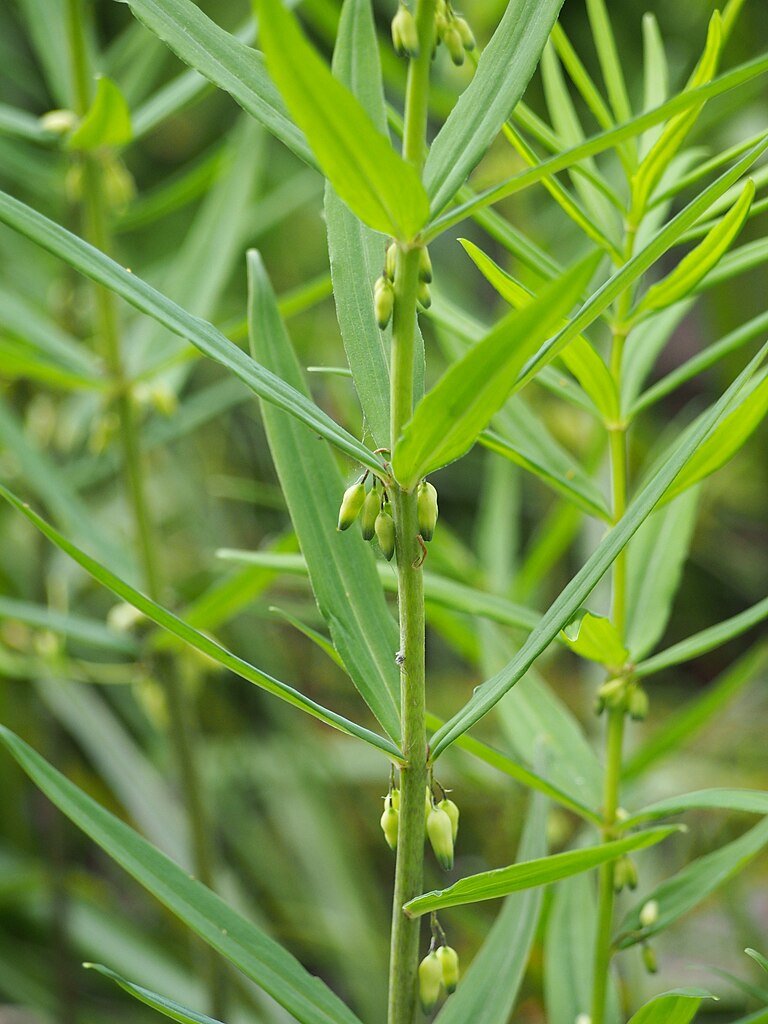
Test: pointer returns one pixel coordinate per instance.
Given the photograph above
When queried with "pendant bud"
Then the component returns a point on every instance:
(449, 961)
(383, 301)
(371, 509)
(351, 504)
(425, 265)
(390, 822)
(430, 981)
(426, 508)
(384, 528)
(624, 874)
(440, 832)
(452, 811)
(649, 959)
(405, 35)
(649, 914)
(423, 296)
(465, 32)
(453, 44)
(637, 703)
(390, 261)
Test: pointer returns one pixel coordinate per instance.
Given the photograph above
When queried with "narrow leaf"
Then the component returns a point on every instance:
(753, 801)
(489, 885)
(670, 1008)
(168, 1007)
(373, 180)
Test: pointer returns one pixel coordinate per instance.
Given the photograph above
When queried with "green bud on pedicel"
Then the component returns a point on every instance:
(442, 19)
(384, 528)
(429, 803)
(430, 981)
(425, 265)
(390, 822)
(383, 301)
(405, 35)
(649, 914)
(637, 704)
(649, 959)
(452, 811)
(453, 44)
(370, 510)
(624, 874)
(467, 38)
(449, 961)
(390, 261)
(394, 796)
(440, 832)
(351, 504)
(423, 295)
(426, 509)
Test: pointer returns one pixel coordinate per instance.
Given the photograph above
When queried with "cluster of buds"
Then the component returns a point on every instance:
(622, 694)
(374, 511)
(454, 31)
(405, 34)
(384, 286)
(624, 874)
(437, 971)
(442, 823)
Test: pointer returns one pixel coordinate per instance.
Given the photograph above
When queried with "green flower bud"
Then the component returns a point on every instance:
(423, 295)
(383, 301)
(429, 803)
(468, 40)
(440, 832)
(390, 261)
(649, 959)
(613, 693)
(453, 44)
(449, 961)
(394, 796)
(351, 504)
(430, 981)
(405, 35)
(426, 508)
(58, 122)
(624, 874)
(452, 811)
(442, 19)
(371, 509)
(425, 265)
(637, 704)
(649, 914)
(390, 821)
(385, 534)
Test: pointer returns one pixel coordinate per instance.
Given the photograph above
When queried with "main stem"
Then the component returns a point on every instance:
(404, 950)
(182, 726)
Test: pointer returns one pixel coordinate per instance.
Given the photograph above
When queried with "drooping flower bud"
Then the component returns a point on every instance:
(452, 811)
(405, 35)
(394, 796)
(390, 821)
(426, 509)
(583, 1018)
(384, 528)
(390, 261)
(649, 959)
(440, 832)
(371, 508)
(423, 295)
(383, 301)
(467, 38)
(449, 961)
(351, 504)
(624, 874)
(425, 265)
(649, 914)
(453, 43)
(442, 18)
(430, 981)
(637, 704)
(429, 803)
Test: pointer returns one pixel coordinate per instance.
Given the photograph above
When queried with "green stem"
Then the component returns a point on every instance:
(182, 725)
(409, 869)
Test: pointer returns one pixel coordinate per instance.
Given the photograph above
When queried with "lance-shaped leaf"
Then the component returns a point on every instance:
(258, 956)
(753, 801)
(676, 1007)
(595, 637)
(758, 958)
(199, 641)
(575, 593)
(198, 332)
(373, 180)
(107, 122)
(697, 264)
(447, 421)
(223, 59)
(168, 1007)
(341, 566)
(690, 886)
(503, 71)
(490, 885)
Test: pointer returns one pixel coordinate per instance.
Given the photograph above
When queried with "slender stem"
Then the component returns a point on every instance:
(182, 725)
(404, 951)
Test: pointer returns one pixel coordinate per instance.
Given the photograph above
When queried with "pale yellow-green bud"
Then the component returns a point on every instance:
(452, 811)
(383, 301)
(429, 803)
(449, 961)
(649, 914)
(442, 18)
(59, 122)
(637, 704)
(423, 295)
(583, 1018)
(351, 504)
(649, 959)
(453, 44)
(612, 694)
(405, 35)
(384, 528)
(370, 510)
(430, 981)
(467, 39)
(440, 832)
(390, 261)
(425, 265)
(624, 874)
(394, 795)
(426, 509)
(390, 821)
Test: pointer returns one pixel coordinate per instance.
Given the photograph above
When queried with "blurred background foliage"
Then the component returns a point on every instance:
(292, 808)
